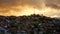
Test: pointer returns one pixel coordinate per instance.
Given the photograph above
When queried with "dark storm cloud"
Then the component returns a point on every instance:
(53, 3)
(36, 3)
(8, 3)
(17, 2)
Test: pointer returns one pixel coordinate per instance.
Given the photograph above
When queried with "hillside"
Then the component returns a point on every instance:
(33, 24)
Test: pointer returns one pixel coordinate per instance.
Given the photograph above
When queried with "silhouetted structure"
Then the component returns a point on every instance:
(34, 24)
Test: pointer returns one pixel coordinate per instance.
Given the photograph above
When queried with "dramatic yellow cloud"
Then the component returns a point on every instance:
(27, 7)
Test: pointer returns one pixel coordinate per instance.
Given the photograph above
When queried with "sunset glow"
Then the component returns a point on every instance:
(28, 7)
(27, 10)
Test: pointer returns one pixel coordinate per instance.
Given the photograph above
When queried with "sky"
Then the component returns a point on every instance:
(20, 7)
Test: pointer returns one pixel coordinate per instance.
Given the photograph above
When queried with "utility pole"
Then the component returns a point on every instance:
(34, 10)
(34, 6)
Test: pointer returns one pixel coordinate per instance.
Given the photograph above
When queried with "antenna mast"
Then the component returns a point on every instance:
(34, 10)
